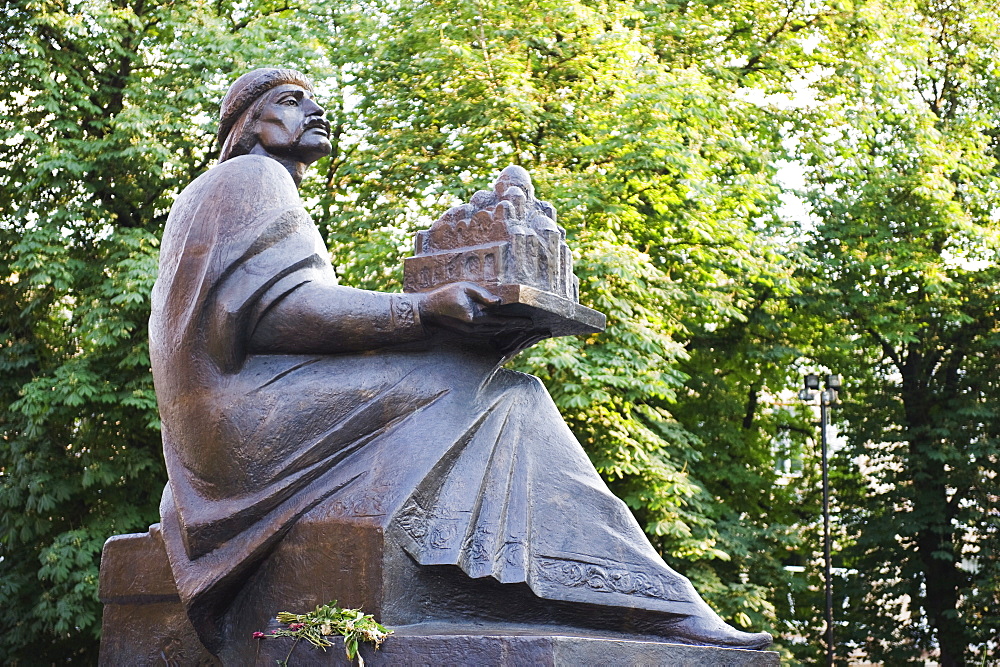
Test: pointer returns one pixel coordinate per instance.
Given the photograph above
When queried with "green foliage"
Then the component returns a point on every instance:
(906, 187)
(635, 121)
(739, 371)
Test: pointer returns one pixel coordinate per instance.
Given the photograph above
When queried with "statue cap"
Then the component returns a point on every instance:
(248, 88)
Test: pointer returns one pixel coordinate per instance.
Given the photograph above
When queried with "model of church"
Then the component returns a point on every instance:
(501, 237)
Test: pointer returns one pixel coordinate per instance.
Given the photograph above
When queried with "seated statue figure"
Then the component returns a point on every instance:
(282, 393)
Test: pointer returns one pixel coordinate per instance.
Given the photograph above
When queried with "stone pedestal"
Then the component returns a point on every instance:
(145, 623)
(345, 560)
(486, 650)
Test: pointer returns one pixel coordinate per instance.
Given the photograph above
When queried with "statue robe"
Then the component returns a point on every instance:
(474, 462)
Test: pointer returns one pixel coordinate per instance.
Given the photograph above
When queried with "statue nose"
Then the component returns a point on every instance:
(313, 109)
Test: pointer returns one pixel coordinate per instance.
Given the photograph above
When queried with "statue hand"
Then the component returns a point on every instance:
(457, 306)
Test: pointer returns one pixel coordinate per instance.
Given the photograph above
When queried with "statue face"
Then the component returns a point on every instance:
(292, 125)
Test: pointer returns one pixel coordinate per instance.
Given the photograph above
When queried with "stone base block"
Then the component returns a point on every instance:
(514, 650)
(144, 621)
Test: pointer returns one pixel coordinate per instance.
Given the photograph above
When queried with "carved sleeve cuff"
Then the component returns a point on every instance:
(405, 314)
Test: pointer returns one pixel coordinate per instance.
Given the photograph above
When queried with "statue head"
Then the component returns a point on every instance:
(271, 111)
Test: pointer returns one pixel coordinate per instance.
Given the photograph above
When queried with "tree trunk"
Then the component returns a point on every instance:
(935, 536)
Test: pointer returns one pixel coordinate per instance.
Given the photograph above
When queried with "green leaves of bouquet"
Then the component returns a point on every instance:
(316, 627)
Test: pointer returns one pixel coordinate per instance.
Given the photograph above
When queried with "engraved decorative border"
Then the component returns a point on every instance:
(609, 579)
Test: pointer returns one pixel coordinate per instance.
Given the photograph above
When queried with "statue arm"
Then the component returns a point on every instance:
(319, 317)
(323, 318)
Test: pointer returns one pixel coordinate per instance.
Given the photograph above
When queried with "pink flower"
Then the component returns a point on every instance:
(258, 635)
(296, 626)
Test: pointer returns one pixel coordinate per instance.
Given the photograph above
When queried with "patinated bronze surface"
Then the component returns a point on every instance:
(327, 442)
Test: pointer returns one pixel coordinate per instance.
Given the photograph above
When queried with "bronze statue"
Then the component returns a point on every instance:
(284, 394)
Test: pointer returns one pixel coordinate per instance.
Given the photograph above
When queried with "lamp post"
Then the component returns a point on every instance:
(827, 399)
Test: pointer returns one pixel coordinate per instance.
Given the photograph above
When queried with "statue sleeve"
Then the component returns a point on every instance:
(244, 270)
(319, 317)
(280, 296)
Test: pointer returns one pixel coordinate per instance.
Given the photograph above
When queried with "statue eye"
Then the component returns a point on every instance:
(289, 102)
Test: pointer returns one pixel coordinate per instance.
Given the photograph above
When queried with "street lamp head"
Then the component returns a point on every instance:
(806, 395)
(833, 382)
(812, 381)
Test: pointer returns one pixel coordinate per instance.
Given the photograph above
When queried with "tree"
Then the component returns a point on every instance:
(634, 119)
(905, 185)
